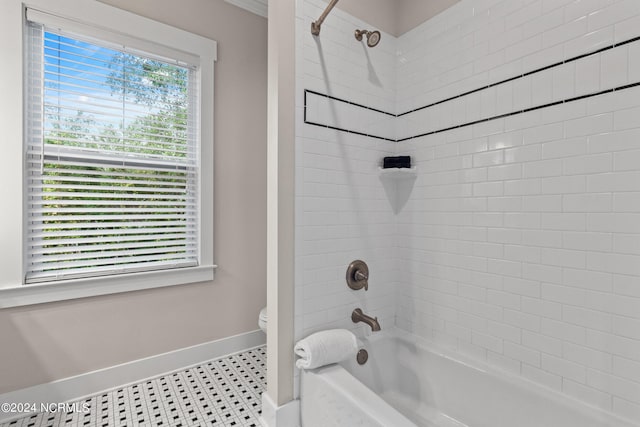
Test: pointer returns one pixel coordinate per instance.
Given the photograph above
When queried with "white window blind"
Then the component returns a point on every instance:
(112, 158)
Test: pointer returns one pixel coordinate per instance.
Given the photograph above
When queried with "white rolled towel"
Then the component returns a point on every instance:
(325, 347)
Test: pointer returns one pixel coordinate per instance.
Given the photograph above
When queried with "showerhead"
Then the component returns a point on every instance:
(373, 37)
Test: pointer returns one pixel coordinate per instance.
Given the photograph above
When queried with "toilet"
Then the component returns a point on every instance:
(262, 320)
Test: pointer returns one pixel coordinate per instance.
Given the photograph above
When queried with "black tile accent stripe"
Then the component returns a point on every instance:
(340, 129)
(556, 64)
(538, 107)
(352, 132)
(346, 101)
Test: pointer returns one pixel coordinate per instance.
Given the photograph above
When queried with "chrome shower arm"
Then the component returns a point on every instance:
(315, 26)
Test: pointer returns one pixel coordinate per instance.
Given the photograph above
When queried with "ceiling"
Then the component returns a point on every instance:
(394, 17)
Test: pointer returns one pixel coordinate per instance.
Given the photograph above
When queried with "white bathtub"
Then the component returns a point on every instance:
(405, 384)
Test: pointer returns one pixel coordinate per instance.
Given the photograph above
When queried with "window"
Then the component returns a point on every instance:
(112, 159)
(117, 164)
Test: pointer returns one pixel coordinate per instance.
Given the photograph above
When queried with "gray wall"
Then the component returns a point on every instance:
(395, 17)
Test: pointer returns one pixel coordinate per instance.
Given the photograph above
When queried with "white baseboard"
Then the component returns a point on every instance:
(287, 415)
(91, 383)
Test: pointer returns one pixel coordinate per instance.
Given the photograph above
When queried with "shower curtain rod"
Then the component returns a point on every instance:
(315, 26)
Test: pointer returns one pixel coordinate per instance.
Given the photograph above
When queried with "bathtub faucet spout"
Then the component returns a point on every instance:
(359, 316)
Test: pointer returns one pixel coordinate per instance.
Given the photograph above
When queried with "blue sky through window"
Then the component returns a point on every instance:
(97, 95)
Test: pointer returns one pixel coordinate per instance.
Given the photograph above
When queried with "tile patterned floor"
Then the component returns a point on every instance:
(222, 392)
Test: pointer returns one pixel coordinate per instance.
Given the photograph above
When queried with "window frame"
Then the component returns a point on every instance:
(91, 15)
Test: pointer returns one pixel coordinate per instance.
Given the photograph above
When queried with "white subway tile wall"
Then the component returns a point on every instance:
(519, 241)
(552, 195)
(343, 211)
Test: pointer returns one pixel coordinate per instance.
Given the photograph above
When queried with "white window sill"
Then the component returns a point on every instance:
(81, 288)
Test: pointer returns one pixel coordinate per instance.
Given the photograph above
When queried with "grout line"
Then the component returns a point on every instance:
(305, 107)
(351, 131)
